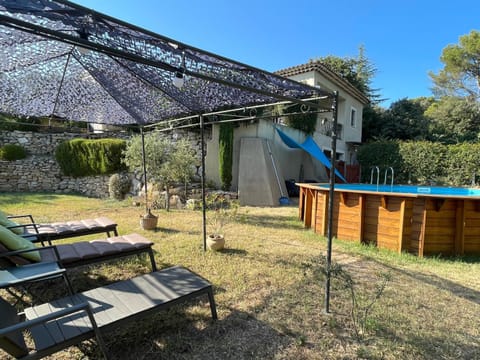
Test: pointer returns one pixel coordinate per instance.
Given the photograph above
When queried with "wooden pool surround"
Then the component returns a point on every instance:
(421, 224)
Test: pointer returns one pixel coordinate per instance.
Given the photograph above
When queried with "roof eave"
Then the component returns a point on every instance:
(329, 75)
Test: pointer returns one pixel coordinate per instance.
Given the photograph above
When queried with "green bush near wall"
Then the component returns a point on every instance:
(84, 157)
(422, 162)
(11, 152)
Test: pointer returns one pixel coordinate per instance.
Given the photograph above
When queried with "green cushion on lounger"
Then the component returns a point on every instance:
(15, 242)
(4, 221)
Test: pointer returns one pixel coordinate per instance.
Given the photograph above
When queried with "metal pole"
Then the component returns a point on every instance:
(331, 194)
(144, 170)
(204, 206)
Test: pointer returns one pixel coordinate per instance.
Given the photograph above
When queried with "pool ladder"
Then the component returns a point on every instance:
(390, 169)
(376, 170)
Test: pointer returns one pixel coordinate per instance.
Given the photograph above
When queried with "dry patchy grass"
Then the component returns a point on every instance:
(270, 303)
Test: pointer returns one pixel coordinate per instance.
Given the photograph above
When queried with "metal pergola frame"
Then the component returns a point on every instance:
(82, 42)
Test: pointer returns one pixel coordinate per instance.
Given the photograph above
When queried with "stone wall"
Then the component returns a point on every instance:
(39, 172)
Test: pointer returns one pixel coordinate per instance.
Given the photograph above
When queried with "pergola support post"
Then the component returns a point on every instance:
(144, 169)
(330, 203)
(204, 205)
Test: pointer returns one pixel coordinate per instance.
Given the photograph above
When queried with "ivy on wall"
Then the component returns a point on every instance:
(305, 122)
(225, 155)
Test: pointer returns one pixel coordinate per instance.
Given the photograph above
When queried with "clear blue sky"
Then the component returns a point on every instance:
(402, 38)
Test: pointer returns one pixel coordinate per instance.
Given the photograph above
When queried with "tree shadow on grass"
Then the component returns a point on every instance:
(180, 333)
(424, 345)
(161, 229)
(452, 287)
(230, 251)
(39, 198)
(418, 340)
(286, 323)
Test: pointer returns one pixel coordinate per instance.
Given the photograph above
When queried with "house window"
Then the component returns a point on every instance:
(353, 117)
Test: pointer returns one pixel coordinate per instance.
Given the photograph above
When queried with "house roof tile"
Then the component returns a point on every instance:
(328, 74)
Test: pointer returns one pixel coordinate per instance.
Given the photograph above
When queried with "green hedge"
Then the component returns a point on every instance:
(11, 152)
(383, 154)
(422, 162)
(463, 162)
(10, 123)
(83, 157)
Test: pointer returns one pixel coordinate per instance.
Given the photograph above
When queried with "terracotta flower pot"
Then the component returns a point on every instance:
(215, 242)
(148, 221)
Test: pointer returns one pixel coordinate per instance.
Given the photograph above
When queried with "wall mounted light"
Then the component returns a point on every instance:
(178, 80)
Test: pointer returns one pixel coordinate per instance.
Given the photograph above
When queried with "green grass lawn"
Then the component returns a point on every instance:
(269, 290)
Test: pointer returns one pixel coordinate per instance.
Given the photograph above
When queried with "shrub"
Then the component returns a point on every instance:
(11, 152)
(82, 157)
(118, 186)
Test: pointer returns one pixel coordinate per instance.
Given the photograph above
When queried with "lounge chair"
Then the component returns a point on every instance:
(61, 230)
(14, 276)
(29, 263)
(85, 252)
(72, 319)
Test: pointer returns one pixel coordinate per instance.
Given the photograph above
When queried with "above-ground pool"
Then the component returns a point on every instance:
(423, 220)
(408, 190)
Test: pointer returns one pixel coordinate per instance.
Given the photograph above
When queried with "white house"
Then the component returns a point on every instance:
(350, 107)
(263, 162)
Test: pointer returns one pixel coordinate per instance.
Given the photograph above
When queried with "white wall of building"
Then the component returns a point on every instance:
(346, 105)
(296, 164)
(293, 164)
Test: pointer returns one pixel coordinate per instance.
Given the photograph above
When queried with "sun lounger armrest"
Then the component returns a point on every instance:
(27, 324)
(33, 238)
(21, 216)
(42, 248)
(32, 225)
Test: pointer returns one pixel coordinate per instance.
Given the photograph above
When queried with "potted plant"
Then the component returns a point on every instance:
(164, 162)
(148, 221)
(223, 213)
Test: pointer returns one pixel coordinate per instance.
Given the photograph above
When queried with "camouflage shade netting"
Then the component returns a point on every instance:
(60, 59)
